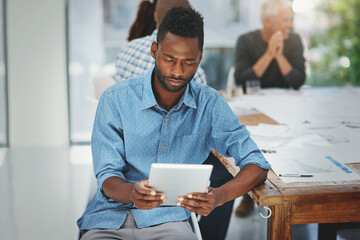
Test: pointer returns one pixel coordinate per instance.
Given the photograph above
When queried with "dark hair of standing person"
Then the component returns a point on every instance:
(144, 23)
(183, 22)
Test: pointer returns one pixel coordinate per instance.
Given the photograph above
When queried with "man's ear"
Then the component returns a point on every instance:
(153, 49)
(201, 55)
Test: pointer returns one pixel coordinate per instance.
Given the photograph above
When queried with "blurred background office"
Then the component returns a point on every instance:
(51, 49)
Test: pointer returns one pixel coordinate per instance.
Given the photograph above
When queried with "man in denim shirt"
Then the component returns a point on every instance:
(164, 117)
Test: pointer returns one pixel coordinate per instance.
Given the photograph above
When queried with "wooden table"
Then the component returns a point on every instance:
(302, 203)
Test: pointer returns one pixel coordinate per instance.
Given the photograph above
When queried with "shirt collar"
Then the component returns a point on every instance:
(187, 98)
(148, 99)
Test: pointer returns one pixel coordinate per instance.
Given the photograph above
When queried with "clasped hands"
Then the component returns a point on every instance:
(276, 45)
(144, 197)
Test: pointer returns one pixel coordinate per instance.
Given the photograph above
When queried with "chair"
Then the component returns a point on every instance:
(230, 83)
(100, 83)
(195, 223)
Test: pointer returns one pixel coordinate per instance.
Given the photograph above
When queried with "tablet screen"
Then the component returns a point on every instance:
(179, 179)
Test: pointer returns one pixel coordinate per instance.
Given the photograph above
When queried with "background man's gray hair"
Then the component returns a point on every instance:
(270, 8)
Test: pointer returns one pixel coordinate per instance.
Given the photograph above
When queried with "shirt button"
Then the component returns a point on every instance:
(162, 147)
(166, 120)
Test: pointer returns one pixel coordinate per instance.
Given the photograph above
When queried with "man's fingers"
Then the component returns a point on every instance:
(143, 204)
(199, 196)
(198, 208)
(153, 197)
(143, 188)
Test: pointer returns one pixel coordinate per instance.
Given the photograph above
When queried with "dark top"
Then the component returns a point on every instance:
(251, 46)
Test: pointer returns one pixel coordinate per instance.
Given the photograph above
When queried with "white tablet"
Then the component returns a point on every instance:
(179, 179)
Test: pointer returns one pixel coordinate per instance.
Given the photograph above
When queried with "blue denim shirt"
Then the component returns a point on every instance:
(131, 131)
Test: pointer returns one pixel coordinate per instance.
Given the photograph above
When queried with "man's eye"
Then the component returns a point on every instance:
(189, 63)
(169, 60)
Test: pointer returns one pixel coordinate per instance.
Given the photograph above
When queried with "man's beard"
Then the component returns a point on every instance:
(162, 80)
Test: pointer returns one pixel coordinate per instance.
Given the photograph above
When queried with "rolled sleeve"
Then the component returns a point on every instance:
(107, 141)
(230, 138)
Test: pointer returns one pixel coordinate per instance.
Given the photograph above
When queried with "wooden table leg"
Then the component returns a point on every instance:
(280, 223)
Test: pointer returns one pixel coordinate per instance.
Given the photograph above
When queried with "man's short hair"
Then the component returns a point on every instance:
(270, 8)
(183, 22)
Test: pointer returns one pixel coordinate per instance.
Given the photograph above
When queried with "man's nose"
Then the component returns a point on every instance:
(177, 69)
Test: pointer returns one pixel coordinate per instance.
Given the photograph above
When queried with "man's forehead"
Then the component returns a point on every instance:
(175, 41)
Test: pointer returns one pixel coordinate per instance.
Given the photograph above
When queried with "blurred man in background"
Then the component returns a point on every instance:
(274, 54)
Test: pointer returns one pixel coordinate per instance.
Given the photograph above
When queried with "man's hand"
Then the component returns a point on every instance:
(144, 197)
(275, 44)
(280, 46)
(200, 203)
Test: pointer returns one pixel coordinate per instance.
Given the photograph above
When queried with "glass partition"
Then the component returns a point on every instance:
(96, 31)
(3, 81)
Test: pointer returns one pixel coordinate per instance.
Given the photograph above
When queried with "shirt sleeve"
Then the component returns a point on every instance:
(200, 76)
(107, 141)
(119, 76)
(229, 138)
(243, 66)
(297, 75)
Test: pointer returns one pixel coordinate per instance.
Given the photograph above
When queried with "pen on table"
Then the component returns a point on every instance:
(295, 175)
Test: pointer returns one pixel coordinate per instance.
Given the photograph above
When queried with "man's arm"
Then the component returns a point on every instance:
(275, 46)
(243, 66)
(296, 76)
(108, 150)
(244, 69)
(138, 193)
(229, 138)
(249, 177)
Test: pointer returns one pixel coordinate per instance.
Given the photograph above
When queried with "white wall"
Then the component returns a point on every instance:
(38, 114)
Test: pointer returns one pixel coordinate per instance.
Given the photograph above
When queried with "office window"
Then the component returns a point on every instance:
(3, 81)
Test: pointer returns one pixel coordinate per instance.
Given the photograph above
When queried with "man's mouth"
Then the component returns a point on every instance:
(175, 82)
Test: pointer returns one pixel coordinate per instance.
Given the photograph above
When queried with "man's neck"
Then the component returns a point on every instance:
(165, 99)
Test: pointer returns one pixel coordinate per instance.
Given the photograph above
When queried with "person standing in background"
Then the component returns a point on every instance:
(274, 54)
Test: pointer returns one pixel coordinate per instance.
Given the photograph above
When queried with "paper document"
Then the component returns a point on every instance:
(321, 164)
(307, 141)
(267, 130)
(241, 111)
